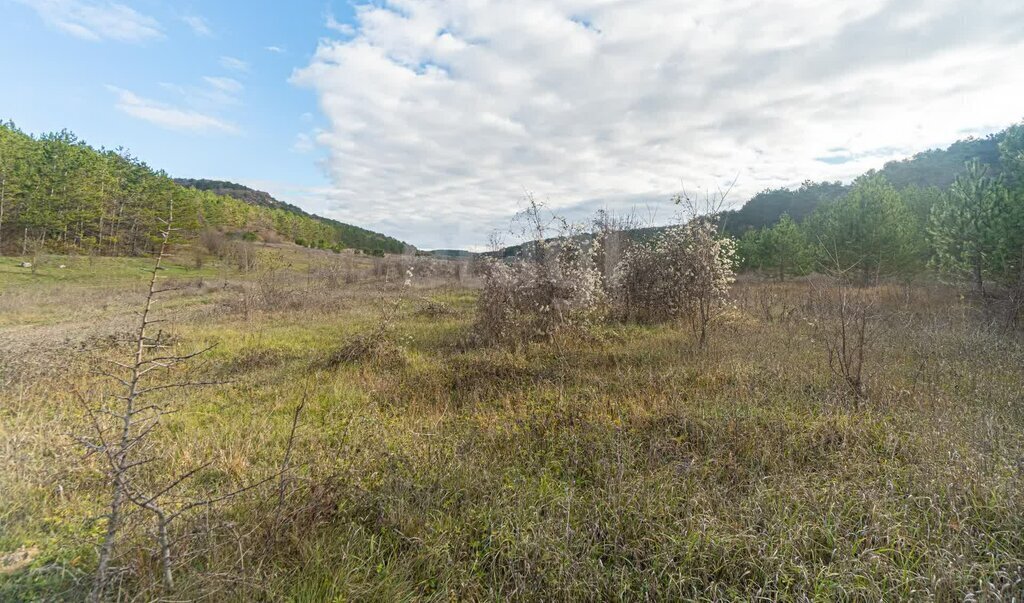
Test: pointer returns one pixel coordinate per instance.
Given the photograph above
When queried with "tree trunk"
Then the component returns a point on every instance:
(979, 283)
(3, 190)
(107, 548)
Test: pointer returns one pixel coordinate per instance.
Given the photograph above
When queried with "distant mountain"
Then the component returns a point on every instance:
(346, 234)
(939, 167)
(768, 206)
(451, 254)
(240, 192)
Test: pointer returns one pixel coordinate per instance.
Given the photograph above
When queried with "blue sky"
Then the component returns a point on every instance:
(229, 61)
(430, 120)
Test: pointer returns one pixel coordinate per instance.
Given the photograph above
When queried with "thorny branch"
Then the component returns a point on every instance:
(123, 428)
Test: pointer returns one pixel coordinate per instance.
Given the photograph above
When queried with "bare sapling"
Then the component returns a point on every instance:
(847, 321)
(849, 339)
(122, 429)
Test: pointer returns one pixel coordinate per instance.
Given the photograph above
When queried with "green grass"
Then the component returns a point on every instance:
(622, 466)
(91, 271)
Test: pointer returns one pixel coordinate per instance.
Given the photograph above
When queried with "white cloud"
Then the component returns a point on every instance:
(198, 25)
(96, 20)
(224, 84)
(303, 143)
(168, 116)
(234, 64)
(338, 26)
(442, 112)
(274, 49)
(214, 94)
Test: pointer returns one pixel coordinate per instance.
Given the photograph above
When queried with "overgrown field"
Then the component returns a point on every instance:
(624, 464)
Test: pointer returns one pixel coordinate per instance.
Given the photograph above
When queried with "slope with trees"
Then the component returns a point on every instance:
(58, 193)
(346, 235)
(923, 174)
(968, 222)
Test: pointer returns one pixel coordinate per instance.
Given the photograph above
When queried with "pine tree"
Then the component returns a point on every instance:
(868, 233)
(965, 226)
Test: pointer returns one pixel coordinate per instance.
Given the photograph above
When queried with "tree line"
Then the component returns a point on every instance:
(973, 228)
(59, 194)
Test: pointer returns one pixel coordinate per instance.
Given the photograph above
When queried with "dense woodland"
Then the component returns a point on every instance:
(959, 211)
(935, 168)
(59, 194)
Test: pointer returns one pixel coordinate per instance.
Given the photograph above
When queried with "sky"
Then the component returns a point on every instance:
(432, 120)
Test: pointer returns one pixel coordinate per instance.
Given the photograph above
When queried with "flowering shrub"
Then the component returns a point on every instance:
(684, 272)
(553, 286)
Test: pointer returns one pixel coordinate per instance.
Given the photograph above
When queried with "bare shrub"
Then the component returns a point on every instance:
(243, 255)
(553, 285)
(214, 241)
(433, 308)
(847, 324)
(376, 345)
(198, 256)
(769, 302)
(395, 269)
(372, 346)
(611, 238)
(330, 275)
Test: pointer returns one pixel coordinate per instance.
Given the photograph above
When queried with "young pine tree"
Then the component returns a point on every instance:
(784, 248)
(869, 233)
(966, 226)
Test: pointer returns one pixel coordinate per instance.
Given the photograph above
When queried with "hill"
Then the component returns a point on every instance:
(932, 168)
(346, 235)
(58, 194)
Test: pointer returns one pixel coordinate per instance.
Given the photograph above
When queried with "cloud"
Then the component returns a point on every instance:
(274, 49)
(441, 113)
(216, 92)
(303, 143)
(338, 26)
(234, 64)
(167, 116)
(198, 25)
(224, 84)
(96, 20)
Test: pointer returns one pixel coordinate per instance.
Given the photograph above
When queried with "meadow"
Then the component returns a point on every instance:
(392, 456)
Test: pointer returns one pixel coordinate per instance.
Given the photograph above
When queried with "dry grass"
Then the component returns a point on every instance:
(628, 465)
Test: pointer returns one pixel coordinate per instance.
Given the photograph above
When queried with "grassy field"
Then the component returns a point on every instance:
(623, 465)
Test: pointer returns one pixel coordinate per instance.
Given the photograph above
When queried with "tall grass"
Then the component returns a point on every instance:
(626, 464)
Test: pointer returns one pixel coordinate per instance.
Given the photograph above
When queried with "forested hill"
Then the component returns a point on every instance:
(346, 234)
(240, 192)
(59, 194)
(933, 168)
